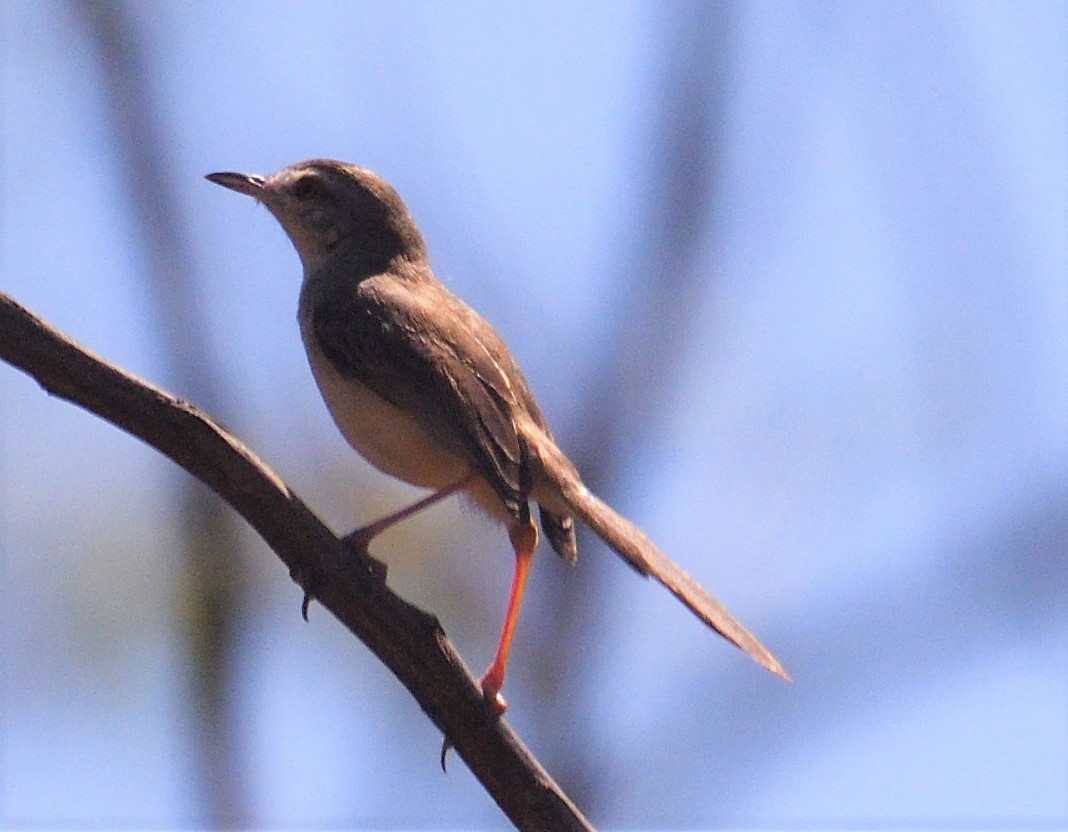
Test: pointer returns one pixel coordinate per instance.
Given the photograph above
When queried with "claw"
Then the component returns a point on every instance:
(305, 584)
(491, 692)
(379, 568)
(357, 540)
(497, 706)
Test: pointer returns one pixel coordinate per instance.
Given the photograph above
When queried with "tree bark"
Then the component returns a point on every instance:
(410, 642)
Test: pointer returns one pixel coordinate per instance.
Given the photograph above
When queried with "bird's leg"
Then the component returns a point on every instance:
(524, 536)
(359, 540)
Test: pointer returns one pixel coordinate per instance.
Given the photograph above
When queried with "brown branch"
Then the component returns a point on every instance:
(407, 640)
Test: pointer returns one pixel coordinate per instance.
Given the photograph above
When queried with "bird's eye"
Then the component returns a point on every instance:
(308, 187)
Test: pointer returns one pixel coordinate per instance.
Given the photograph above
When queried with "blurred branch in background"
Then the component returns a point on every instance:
(653, 319)
(213, 580)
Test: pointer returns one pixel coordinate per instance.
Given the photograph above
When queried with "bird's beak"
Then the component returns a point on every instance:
(250, 184)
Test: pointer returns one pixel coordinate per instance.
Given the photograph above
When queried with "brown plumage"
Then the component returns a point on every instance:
(424, 388)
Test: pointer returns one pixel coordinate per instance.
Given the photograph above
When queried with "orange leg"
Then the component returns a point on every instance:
(363, 536)
(524, 540)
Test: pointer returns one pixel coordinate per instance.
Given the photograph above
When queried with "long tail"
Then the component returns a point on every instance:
(641, 553)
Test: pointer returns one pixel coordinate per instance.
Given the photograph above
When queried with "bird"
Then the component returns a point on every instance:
(425, 389)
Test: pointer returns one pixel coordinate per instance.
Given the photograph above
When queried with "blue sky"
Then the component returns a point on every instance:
(859, 437)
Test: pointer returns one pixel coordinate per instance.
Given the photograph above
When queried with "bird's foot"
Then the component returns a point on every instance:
(358, 542)
(491, 683)
(359, 539)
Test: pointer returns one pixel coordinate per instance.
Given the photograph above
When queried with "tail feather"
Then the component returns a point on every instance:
(641, 553)
(560, 530)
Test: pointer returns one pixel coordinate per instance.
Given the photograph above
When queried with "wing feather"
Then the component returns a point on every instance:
(393, 338)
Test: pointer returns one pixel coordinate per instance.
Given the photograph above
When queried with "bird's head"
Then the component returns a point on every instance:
(333, 209)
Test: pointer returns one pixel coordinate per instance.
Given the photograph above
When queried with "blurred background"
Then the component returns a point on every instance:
(791, 283)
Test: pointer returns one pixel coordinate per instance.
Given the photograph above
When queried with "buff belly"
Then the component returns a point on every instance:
(385, 436)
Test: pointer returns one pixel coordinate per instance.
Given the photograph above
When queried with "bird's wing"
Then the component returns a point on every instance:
(425, 352)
